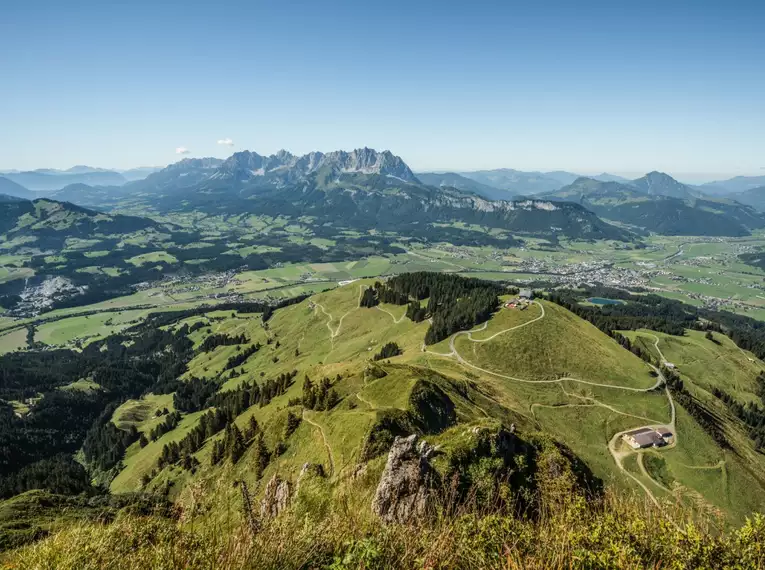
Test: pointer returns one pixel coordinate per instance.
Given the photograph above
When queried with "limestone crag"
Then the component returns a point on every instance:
(276, 498)
(404, 491)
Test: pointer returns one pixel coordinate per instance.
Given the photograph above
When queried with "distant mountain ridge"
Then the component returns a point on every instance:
(11, 188)
(48, 180)
(606, 177)
(644, 206)
(660, 184)
(362, 190)
(51, 179)
(454, 180)
(734, 185)
(518, 182)
(52, 222)
(524, 183)
(754, 197)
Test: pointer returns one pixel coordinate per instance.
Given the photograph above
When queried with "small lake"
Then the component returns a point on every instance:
(602, 301)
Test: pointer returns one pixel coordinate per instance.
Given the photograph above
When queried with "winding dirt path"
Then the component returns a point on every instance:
(367, 402)
(326, 443)
(655, 344)
(335, 332)
(617, 455)
(464, 362)
(556, 406)
(495, 335)
(332, 333)
(392, 316)
(600, 404)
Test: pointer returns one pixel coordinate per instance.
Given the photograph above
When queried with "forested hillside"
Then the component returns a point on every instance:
(669, 208)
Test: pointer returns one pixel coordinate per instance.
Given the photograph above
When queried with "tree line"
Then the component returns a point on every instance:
(454, 302)
(752, 414)
(703, 415)
(105, 444)
(389, 350)
(320, 396)
(215, 340)
(227, 406)
(658, 313)
(242, 357)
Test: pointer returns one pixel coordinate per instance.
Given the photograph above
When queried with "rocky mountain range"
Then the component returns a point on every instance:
(246, 165)
(361, 190)
(366, 189)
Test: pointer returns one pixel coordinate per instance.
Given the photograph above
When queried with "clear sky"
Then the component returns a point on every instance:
(622, 86)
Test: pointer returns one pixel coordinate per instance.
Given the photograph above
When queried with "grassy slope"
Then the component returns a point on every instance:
(142, 413)
(35, 513)
(139, 461)
(559, 345)
(87, 328)
(13, 340)
(730, 481)
(332, 336)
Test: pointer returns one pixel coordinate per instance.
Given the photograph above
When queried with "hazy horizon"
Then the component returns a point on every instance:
(685, 177)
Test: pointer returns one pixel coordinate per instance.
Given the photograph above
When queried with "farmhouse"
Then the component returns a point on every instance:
(665, 434)
(526, 294)
(647, 437)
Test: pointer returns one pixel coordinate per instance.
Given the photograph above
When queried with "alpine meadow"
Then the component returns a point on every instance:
(523, 329)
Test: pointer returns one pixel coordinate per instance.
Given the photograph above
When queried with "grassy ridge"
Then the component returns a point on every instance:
(329, 335)
(615, 532)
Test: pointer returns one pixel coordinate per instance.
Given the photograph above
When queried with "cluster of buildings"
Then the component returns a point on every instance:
(648, 437)
(583, 273)
(522, 301)
(37, 298)
(190, 283)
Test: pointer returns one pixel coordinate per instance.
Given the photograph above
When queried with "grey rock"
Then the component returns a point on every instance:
(247, 165)
(276, 498)
(404, 491)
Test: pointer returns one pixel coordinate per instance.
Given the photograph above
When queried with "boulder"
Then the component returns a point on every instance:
(309, 470)
(404, 491)
(276, 497)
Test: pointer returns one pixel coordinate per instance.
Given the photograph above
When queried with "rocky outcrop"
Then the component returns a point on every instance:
(404, 491)
(276, 498)
(309, 470)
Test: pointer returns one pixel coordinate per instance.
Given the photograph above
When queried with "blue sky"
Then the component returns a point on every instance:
(584, 86)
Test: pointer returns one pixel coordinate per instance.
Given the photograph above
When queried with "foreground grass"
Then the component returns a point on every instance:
(613, 532)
